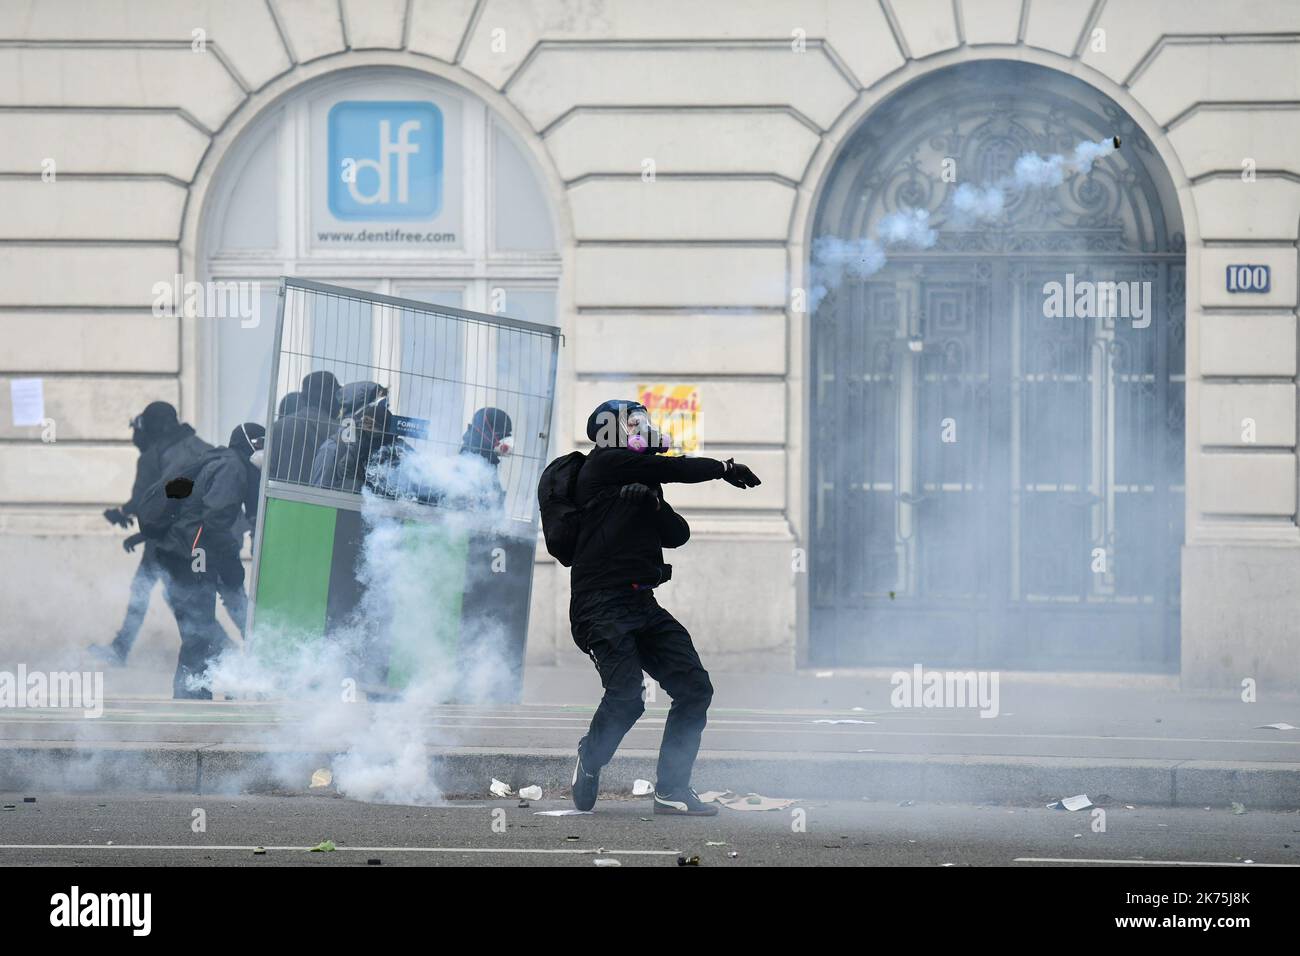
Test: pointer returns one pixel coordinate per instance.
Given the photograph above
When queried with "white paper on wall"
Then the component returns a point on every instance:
(27, 395)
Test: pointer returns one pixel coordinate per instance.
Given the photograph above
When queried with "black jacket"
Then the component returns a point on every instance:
(207, 517)
(166, 456)
(620, 543)
(295, 440)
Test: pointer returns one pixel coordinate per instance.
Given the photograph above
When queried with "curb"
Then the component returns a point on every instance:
(232, 768)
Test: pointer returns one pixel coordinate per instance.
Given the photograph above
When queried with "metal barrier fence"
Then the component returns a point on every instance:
(414, 376)
(387, 423)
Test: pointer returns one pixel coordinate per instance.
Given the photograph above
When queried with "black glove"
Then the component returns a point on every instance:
(117, 516)
(739, 475)
(130, 543)
(639, 494)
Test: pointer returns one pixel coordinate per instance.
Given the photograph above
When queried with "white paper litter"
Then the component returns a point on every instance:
(750, 801)
(500, 789)
(562, 813)
(530, 793)
(606, 861)
(641, 788)
(1080, 802)
(1277, 726)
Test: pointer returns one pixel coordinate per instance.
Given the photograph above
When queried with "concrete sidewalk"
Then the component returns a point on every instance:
(1126, 740)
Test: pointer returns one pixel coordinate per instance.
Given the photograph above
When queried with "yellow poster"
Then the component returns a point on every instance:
(675, 411)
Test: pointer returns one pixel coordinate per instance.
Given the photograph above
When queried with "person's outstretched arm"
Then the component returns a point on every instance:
(661, 470)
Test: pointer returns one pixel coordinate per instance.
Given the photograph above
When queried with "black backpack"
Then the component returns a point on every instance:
(560, 513)
(161, 503)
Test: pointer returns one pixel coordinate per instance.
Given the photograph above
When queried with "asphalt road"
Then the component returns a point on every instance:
(158, 830)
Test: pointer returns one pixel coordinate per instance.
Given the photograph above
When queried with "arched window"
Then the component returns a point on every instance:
(994, 482)
(382, 180)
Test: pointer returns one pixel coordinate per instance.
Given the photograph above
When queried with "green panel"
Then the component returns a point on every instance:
(436, 557)
(293, 576)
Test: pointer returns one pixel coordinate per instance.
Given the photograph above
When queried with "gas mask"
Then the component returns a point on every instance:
(642, 436)
(139, 437)
(259, 448)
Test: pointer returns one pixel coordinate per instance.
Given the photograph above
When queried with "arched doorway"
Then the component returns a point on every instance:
(328, 185)
(991, 486)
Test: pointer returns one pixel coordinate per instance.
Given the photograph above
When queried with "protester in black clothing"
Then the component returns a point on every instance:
(191, 547)
(618, 561)
(356, 401)
(288, 405)
(165, 446)
(295, 438)
(224, 559)
(488, 436)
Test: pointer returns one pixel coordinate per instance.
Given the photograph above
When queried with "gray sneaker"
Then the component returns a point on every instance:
(683, 803)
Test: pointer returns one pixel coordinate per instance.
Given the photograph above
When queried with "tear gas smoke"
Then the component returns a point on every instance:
(835, 259)
(405, 610)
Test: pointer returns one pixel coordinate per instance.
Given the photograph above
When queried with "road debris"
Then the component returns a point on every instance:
(606, 861)
(1080, 802)
(1238, 808)
(562, 813)
(750, 801)
(324, 846)
(259, 851)
(374, 861)
(715, 842)
(531, 793)
(497, 788)
(688, 861)
(642, 788)
(322, 778)
(1277, 726)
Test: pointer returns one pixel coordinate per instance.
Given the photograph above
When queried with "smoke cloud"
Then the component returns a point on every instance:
(409, 620)
(835, 259)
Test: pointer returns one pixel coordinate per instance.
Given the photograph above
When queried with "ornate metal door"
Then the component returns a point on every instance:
(991, 486)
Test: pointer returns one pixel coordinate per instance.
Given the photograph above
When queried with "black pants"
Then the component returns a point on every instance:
(229, 569)
(230, 585)
(625, 633)
(146, 576)
(192, 596)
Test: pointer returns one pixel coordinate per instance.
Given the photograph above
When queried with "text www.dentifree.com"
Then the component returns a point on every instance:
(386, 235)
